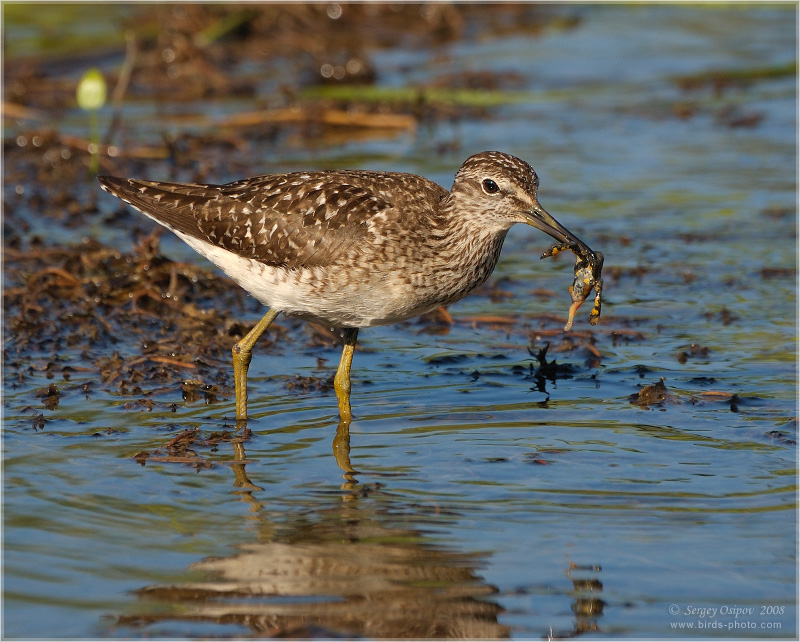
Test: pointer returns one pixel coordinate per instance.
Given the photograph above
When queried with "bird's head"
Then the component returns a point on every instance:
(497, 190)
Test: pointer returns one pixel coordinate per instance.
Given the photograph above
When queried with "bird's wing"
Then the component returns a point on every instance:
(288, 220)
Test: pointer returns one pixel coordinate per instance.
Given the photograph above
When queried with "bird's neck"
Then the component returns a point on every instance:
(471, 249)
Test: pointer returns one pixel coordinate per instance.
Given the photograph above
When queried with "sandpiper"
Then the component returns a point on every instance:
(351, 249)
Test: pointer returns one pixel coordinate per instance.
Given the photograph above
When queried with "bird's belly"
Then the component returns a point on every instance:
(336, 295)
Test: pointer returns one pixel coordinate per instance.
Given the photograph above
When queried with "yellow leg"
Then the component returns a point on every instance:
(341, 382)
(241, 362)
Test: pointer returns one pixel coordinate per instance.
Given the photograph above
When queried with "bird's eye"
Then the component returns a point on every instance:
(489, 186)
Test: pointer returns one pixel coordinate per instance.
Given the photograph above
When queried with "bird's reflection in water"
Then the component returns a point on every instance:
(344, 570)
(339, 572)
(341, 452)
(587, 605)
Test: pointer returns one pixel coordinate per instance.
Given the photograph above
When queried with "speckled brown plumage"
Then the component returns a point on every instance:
(286, 220)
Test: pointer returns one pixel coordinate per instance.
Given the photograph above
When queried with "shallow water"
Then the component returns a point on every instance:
(487, 502)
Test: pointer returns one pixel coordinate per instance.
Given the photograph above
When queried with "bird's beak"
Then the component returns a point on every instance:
(537, 217)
